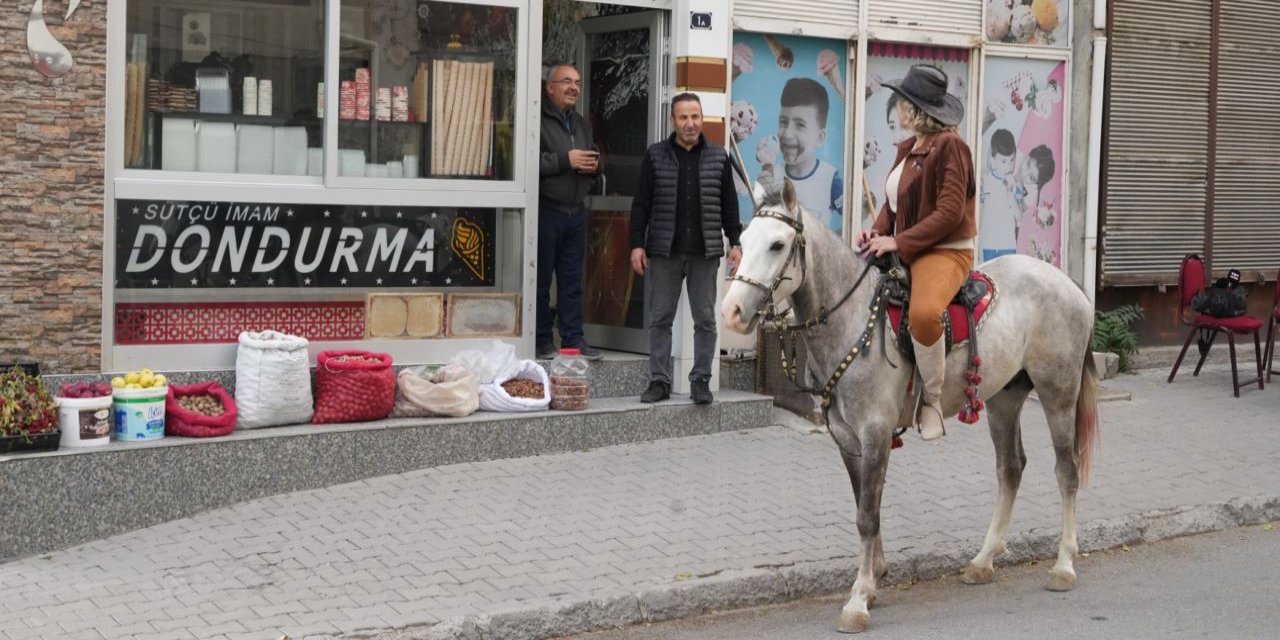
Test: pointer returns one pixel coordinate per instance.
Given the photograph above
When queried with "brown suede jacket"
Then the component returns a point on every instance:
(937, 196)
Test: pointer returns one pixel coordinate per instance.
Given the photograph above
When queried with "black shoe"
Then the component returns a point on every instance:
(657, 392)
(546, 351)
(589, 352)
(700, 392)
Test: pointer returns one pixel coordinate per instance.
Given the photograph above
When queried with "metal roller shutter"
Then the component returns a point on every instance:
(960, 16)
(1246, 202)
(1158, 139)
(838, 19)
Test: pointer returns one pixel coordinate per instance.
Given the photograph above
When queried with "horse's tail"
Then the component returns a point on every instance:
(1086, 417)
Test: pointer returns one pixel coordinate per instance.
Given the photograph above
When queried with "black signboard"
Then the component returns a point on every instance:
(197, 244)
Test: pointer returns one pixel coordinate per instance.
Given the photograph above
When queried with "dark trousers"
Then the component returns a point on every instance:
(662, 289)
(562, 252)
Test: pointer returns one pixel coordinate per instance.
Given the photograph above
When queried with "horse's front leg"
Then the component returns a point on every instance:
(871, 473)
(851, 466)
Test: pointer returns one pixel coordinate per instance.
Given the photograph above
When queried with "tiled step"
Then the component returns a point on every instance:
(58, 499)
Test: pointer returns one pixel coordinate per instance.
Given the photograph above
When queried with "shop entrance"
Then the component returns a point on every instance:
(620, 52)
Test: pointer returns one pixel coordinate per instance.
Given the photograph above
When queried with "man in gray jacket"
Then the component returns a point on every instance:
(568, 166)
(684, 202)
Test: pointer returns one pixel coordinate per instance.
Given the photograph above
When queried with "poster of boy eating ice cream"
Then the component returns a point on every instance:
(788, 117)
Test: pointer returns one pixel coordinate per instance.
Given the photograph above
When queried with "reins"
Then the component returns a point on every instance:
(787, 333)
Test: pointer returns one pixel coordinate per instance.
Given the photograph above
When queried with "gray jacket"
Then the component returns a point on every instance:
(560, 187)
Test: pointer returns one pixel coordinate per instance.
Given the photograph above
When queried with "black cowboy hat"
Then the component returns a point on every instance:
(926, 87)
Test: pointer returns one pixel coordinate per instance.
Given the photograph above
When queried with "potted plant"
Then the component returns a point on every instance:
(1112, 333)
(28, 416)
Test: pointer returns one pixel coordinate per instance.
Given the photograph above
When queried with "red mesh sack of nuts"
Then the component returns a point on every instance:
(353, 386)
(201, 410)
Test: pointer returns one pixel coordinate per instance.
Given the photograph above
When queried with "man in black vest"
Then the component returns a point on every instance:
(684, 202)
(567, 167)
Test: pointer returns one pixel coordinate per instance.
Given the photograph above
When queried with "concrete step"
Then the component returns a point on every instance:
(59, 499)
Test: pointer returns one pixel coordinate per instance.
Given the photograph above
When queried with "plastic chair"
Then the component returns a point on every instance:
(1191, 280)
(1270, 357)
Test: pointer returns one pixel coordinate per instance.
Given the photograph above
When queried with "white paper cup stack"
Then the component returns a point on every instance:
(264, 97)
(250, 96)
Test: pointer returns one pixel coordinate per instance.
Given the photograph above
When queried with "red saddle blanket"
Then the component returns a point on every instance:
(957, 327)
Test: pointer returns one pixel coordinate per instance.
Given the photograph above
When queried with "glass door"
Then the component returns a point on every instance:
(624, 71)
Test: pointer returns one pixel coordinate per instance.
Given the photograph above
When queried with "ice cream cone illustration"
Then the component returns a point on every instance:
(468, 244)
(781, 52)
(829, 68)
(742, 119)
(742, 58)
(770, 178)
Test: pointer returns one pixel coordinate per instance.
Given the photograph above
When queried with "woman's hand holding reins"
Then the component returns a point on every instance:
(878, 245)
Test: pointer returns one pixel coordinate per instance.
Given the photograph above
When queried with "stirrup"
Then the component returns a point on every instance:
(942, 423)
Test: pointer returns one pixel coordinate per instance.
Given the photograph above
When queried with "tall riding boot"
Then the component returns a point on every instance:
(932, 363)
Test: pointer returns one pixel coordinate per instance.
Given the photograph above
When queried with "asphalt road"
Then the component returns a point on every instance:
(1220, 585)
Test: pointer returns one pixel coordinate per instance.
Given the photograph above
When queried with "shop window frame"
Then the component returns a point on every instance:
(519, 194)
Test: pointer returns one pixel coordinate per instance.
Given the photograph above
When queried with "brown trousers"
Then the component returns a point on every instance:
(936, 277)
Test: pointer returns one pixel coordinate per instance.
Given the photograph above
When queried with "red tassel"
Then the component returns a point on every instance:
(968, 415)
(977, 361)
(897, 443)
(968, 376)
(977, 378)
(971, 392)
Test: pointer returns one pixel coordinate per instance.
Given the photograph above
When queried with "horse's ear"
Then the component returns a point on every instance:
(789, 199)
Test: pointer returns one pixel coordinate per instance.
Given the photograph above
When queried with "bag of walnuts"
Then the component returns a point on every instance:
(201, 410)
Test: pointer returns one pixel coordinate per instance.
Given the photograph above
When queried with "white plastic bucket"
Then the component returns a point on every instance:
(139, 413)
(85, 422)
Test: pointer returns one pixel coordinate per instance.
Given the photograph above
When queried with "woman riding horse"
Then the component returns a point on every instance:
(929, 220)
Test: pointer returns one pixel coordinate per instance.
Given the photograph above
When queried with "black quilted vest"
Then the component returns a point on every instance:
(662, 215)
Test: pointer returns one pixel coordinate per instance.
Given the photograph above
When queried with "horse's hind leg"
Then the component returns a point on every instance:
(1059, 408)
(1004, 412)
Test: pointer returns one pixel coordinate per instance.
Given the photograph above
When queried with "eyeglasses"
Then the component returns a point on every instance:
(566, 82)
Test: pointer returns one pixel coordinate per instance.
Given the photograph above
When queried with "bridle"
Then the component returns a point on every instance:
(768, 311)
(787, 333)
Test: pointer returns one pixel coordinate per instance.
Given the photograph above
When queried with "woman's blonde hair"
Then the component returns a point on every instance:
(920, 122)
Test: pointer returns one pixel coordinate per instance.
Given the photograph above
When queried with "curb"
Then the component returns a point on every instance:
(756, 587)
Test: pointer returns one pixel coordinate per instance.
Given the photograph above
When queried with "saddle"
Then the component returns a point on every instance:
(959, 323)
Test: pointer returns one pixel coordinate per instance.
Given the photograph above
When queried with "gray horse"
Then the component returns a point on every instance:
(1034, 336)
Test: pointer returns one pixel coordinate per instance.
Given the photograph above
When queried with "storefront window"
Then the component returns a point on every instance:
(225, 86)
(426, 90)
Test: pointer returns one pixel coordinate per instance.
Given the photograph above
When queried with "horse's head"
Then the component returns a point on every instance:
(772, 265)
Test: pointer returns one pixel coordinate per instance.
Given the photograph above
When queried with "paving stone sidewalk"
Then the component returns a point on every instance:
(571, 542)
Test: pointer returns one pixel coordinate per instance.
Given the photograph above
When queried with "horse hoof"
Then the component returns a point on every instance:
(1061, 580)
(978, 575)
(853, 621)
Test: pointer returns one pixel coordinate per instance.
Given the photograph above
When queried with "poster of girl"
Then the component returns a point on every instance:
(1021, 185)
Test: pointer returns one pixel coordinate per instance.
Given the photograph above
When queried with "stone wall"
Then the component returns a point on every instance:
(52, 141)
